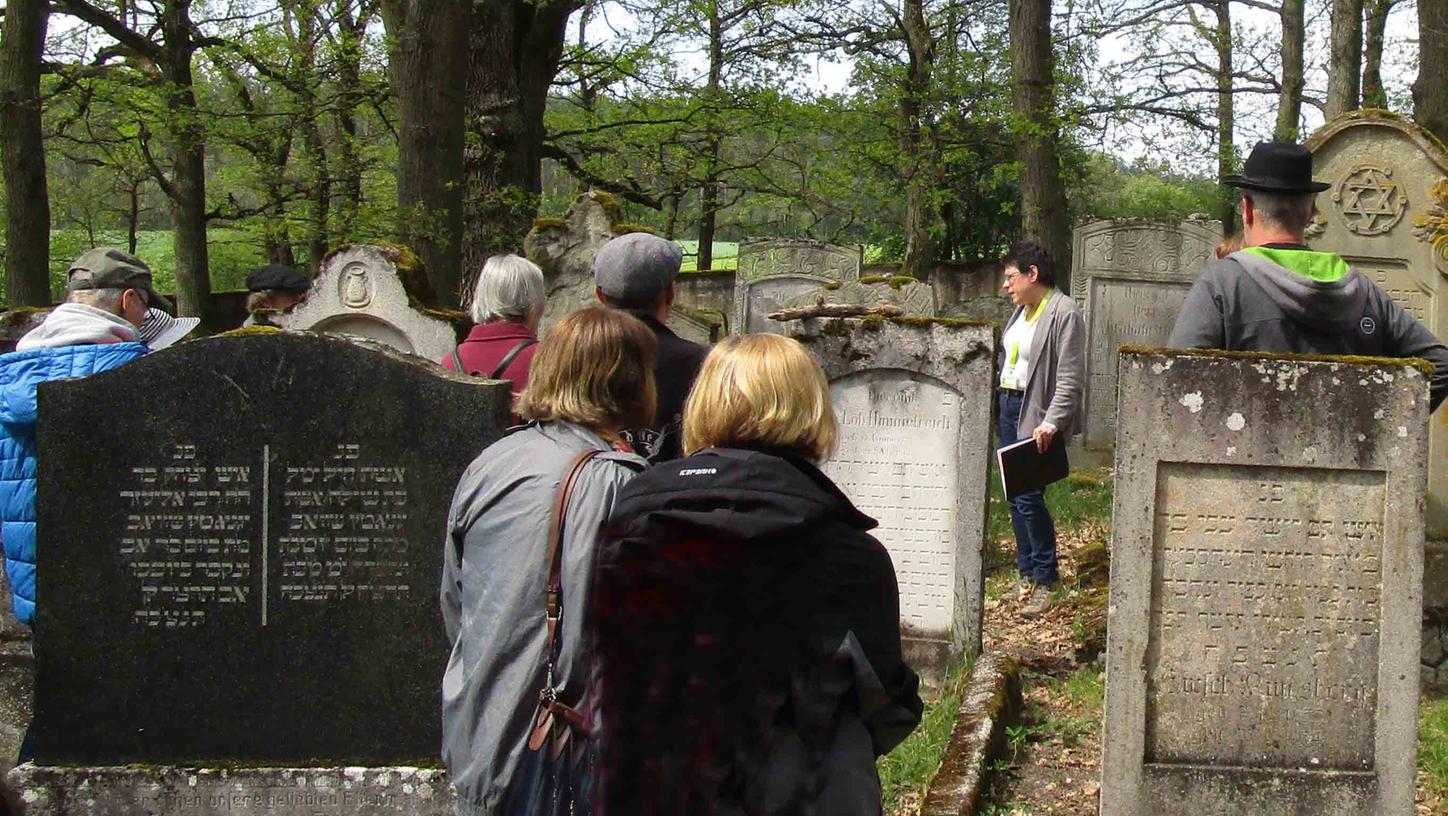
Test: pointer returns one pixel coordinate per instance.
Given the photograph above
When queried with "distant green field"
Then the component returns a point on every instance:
(726, 255)
(232, 253)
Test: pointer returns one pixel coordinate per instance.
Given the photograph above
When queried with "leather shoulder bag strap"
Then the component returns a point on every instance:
(458, 361)
(509, 357)
(556, 530)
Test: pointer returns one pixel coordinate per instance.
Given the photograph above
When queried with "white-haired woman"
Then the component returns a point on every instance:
(507, 305)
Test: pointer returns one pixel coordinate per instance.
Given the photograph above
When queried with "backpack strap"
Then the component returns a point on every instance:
(510, 357)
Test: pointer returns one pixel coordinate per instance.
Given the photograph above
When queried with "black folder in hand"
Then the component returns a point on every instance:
(1023, 468)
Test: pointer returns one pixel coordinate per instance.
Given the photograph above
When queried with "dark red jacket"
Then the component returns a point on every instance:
(486, 346)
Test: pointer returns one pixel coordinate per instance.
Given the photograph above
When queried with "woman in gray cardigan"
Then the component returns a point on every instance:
(1042, 377)
(593, 376)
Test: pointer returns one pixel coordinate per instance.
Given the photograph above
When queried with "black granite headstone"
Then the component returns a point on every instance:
(239, 551)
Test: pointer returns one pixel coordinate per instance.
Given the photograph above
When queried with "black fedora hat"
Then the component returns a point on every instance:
(1278, 167)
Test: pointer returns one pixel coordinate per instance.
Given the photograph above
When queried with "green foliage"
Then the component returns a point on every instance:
(910, 767)
(1433, 742)
(1109, 189)
(233, 254)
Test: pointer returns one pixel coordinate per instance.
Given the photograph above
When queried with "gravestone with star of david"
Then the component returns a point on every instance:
(1389, 190)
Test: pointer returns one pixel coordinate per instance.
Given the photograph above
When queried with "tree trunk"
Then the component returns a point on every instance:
(1430, 92)
(914, 149)
(133, 216)
(349, 81)
(428, 62)
(1345, 63)
(514, 47)
(713, 139)
(188, 171)
(1044, 217)
(22, 149)
(1226, 117)
(1289, 101)
(1376, 12)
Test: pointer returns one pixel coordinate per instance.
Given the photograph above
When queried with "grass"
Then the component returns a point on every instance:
(906, 771)
(1433, 742)
(726, 255)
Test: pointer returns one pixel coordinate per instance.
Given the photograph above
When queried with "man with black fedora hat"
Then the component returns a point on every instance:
(275, 288)
(1278, 295)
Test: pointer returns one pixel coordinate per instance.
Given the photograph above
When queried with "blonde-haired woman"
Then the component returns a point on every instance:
(592, 378)
(747, 625)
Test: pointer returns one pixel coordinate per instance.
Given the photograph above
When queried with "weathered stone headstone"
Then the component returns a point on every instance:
(694, 325)
(246, 573)
(359, 293)
(914, 298)
(564, 249)
(1129, 277)
(1387, 204)
(17, 674)
(774, 272)
(913, 399)
(1266, 582)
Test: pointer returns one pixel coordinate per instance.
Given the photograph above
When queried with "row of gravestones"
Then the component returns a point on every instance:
(236, 582)
(264, 600)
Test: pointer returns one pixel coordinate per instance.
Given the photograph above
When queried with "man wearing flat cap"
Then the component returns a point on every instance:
(636, 272)
(1278, 295)
(275, 288)
(95, 330)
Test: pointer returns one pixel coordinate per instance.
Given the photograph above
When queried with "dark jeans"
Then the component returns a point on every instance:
(1035, 531)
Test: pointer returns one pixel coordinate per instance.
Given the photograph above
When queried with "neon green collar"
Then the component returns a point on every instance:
(1320, 266)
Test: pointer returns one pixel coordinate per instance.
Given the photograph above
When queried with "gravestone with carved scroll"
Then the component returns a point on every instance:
(1129, 277)
(245, 572)
(772, 273)
(913, 400)
(360, 293)
(1386, 213)
(1266, 582)
(913, 298)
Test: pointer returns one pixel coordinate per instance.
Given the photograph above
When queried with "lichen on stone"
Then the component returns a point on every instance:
(1423, 366)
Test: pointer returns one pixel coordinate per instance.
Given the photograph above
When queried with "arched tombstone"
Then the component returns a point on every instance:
(774, 272)
(360, 293)
(1130, 276)
(1386, 205)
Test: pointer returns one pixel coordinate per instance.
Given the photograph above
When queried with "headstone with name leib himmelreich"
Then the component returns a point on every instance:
(913, 401)
(246, 573)
(1266, 582)
(1130, 276)
(359, 293)
(773, 272)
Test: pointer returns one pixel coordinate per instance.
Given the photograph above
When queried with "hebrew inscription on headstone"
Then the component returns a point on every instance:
(1266, 581)
(254, 575)
(1130, 277)
(913, 403)
(774, 272)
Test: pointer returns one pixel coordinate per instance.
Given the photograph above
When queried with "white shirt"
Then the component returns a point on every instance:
(1017, 341)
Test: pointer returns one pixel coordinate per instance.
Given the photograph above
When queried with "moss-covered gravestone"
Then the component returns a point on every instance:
(1266, 581)
(239, 548)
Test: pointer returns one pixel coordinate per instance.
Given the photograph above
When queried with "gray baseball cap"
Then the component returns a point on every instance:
(637, 265)
(111, 268)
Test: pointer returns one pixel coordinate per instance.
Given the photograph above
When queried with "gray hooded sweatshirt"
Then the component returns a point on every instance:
(495, 573)
(1246, 302)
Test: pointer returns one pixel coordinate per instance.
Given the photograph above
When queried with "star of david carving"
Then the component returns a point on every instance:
(1370, 201)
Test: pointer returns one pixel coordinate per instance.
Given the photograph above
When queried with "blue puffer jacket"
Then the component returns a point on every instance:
(20, 373)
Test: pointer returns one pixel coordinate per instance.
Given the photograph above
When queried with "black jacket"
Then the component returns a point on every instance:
(748, 643)
(674, 372)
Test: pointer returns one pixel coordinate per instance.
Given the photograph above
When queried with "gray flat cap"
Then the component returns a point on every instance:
(637, 265)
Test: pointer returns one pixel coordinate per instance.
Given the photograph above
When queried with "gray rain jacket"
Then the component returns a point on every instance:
(1245, 302)
(495, 573)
